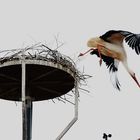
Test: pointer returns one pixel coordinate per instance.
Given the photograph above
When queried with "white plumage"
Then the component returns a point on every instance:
(109, 48)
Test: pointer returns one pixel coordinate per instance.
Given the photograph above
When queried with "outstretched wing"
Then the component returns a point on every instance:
(113, 36)
(112, 65)
(117, 37)
(133, 40)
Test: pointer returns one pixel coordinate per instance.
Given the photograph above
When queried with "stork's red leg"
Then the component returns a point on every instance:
(135, 79)
(131, 72)
(99, 51)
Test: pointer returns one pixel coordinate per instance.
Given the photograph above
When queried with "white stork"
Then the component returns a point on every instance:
(109, 47)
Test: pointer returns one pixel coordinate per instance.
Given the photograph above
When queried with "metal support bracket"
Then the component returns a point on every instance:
(75, 115)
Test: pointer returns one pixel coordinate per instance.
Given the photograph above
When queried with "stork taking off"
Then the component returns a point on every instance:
(109, 48)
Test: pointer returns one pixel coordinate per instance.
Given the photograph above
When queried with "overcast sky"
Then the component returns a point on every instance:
(103, 110)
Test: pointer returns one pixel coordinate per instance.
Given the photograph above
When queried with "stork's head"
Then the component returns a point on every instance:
(92, 43)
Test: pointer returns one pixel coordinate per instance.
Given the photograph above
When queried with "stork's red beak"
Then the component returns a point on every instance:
(134, 77)
(81, 54)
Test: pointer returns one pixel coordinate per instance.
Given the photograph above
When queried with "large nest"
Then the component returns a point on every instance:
(43, 52)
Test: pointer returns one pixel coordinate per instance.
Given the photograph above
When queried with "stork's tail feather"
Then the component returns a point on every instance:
(115, 81)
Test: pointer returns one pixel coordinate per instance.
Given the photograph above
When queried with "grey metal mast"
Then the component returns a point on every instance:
(27, 106)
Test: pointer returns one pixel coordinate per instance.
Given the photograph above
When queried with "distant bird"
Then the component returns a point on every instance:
(109, 48)
(105, 136)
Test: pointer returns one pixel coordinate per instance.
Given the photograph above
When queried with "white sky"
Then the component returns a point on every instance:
(105, 110)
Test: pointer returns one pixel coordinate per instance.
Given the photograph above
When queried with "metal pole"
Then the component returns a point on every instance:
(26, 107)
(27, 120)
(75, 115)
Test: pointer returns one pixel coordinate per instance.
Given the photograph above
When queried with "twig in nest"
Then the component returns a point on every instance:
(53, 100)
(61, 100)
(84, 90)
(67, 101)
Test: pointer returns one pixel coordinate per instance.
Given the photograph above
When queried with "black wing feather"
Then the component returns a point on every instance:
(133, 40)
(110, 63)
(109, 34)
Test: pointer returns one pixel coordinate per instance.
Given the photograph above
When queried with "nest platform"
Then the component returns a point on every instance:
(49, 74)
